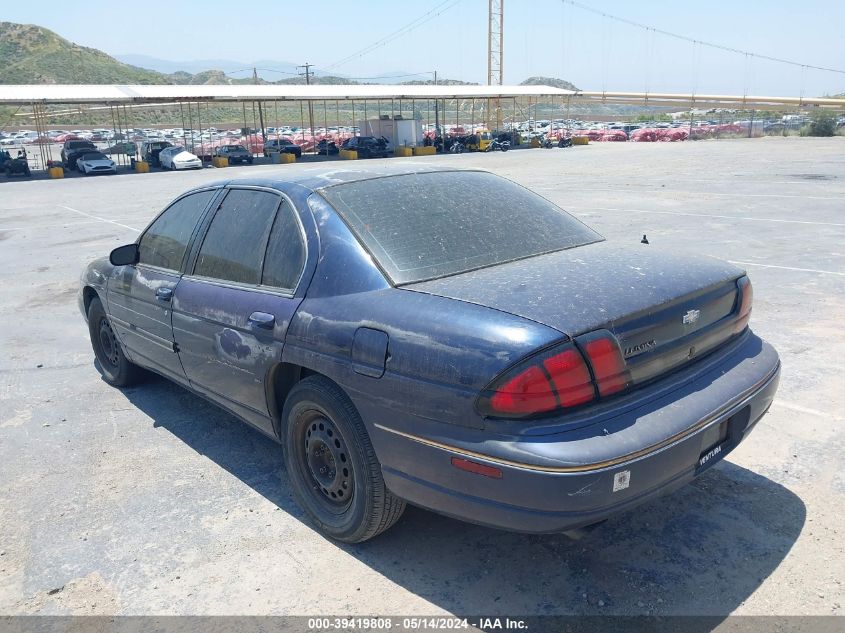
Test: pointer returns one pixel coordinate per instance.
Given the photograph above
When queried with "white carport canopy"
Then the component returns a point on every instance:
(133, 94)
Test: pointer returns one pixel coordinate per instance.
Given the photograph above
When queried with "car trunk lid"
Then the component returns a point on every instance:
(664, 308)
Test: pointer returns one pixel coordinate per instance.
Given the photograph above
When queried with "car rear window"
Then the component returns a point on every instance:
(428, 225)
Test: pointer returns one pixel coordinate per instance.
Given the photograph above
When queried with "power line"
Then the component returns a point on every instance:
(697, 41)
(313, 73)
(393, 76)
(412, 25)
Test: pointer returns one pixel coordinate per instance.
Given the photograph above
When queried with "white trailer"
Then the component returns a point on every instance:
(400, 132)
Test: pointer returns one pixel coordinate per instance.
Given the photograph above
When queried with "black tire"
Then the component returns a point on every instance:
(116, 369)
(333, 469)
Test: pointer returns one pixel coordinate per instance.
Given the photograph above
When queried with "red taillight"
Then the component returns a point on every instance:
(558, 378)
(746, 295)
(570, 377)
(605, 358)
(527, 392)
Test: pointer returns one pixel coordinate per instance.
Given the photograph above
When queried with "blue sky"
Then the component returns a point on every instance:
(542, 37)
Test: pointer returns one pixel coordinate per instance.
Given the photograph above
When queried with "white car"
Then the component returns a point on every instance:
(95, 163)
(178, 158)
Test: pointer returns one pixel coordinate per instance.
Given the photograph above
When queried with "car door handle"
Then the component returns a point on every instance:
(164, 293)
(263, 320)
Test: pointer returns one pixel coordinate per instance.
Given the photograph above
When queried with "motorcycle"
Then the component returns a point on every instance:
(457, 147)
(496, 144)
(564, 142)
(327, 148)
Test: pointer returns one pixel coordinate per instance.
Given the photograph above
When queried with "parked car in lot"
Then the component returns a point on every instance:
(176, 157)
(402, 341)
(95, 163)
(283, 145)
(150, 151)
(368, 146)
(72, 150)
(235, 153)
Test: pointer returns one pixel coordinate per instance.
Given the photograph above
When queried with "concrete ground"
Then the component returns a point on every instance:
(149, 500)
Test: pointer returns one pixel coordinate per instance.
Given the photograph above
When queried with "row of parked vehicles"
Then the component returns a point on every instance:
(85, 157)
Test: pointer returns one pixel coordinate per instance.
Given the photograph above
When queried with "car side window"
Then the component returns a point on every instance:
(234, 245)
(285, 256)
(164, 243)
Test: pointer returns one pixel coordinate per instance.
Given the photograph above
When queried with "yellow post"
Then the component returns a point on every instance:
(56, 172)
(142, 167)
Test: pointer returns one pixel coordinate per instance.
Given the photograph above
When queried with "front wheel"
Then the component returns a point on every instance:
(116, 368)
(333, 469)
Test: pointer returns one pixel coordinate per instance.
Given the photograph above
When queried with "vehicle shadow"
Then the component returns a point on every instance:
(702, 550)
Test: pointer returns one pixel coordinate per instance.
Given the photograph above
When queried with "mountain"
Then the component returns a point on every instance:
(207, 77)
(549, 81)
(440, 82)
(32, 54)
(233, 68)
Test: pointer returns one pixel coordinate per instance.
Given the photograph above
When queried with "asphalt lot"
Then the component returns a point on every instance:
(149, 500)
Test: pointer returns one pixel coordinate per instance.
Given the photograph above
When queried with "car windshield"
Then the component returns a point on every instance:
(237, 148)
(428, 225)
(94, 156)
(79, 144)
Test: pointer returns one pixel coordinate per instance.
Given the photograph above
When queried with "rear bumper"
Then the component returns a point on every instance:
(548, 484)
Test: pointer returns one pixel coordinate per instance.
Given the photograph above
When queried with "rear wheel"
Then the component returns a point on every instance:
(116, 369)
(333, 469)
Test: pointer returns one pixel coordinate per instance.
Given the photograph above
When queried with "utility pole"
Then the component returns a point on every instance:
(307, 75)
(260, 109)
(495, 54)
(436, 110)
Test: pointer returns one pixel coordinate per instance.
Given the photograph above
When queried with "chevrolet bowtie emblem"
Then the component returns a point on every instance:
(691, 316)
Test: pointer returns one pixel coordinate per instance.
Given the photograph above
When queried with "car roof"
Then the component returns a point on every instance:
(315, 178)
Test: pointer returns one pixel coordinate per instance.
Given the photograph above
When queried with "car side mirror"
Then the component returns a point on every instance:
(124, 255)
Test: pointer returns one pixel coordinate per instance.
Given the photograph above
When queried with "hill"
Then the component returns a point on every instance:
(32, 54)
(549, 81)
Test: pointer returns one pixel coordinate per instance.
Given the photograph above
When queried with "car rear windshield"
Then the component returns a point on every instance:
(428, 225)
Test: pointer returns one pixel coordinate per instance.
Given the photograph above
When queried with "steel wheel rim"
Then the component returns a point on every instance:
(326, 461)
(108, 343)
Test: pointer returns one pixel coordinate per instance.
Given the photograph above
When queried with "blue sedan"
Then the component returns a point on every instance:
(437, 337)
